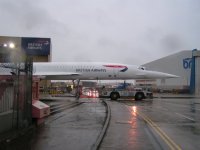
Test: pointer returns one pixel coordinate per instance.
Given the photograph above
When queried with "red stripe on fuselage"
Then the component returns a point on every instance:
(114, 66)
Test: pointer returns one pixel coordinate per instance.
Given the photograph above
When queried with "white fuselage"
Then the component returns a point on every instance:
(93, 71)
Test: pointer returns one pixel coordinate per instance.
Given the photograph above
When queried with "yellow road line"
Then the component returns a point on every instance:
(162, 134)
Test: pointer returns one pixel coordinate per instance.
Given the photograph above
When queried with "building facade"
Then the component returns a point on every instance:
(17, 54)
(179, 64)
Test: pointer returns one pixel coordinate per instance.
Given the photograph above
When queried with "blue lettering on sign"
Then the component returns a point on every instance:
(187, 63)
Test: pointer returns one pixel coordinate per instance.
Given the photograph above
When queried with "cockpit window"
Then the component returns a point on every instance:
(142, 68)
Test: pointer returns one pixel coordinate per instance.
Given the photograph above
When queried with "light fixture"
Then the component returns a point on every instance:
(5, 45)
(11, 45)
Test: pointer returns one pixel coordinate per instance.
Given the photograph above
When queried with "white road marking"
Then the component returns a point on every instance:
(185, 116)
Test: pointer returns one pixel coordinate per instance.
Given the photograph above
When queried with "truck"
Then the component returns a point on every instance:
(125, 92)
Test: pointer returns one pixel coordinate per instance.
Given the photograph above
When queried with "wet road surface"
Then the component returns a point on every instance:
(126, 130)
(73, 129)
(162, 123)
(154, 124)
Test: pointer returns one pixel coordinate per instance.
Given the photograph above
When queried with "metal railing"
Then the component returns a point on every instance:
(16, 96)
(6, 100)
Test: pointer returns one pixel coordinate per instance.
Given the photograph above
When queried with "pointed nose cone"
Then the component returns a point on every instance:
(146, 74)
(160, 75)
(166, 75)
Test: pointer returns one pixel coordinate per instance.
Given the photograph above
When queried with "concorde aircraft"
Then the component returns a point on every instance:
(94, 71)
(87, 71)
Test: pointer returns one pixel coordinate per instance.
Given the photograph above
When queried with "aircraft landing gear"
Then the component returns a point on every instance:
(77, 87)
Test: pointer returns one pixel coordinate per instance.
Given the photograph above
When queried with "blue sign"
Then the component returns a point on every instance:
(187, 63)
(36, 46)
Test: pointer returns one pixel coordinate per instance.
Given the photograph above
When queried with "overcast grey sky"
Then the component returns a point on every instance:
(124, 31)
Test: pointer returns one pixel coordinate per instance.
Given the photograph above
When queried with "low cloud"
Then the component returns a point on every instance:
(114, 31)
(171, 42)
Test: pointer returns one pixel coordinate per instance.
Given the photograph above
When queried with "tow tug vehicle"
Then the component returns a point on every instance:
(116, 93)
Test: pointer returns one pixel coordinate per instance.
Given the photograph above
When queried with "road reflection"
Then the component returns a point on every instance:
(134, 111)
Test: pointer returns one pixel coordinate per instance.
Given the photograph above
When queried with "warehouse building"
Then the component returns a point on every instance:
(184, 64)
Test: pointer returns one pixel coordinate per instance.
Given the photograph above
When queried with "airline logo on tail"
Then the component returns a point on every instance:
(123, 68)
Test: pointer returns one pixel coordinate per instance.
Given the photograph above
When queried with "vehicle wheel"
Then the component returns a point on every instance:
(114, 96)
(139, 96)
